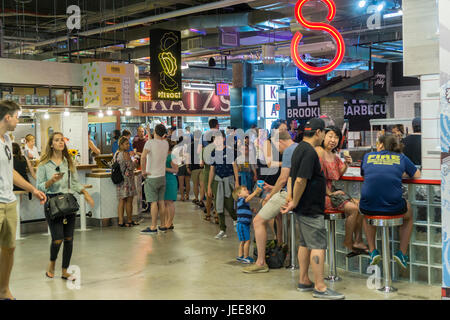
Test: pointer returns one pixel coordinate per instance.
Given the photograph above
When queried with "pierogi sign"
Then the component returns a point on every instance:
(194, 103)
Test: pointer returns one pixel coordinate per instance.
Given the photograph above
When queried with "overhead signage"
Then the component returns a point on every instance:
(193, 103)
(340, 44)
(359, 112)
(145, 88)
(379, 81)
(271, 102)
(222, 89)
(165, 64)
(299, 105)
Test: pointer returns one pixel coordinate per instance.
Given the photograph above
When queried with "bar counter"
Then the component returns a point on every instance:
(425, 249)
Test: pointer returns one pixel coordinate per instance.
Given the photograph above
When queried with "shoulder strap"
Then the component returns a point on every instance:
(68, 180)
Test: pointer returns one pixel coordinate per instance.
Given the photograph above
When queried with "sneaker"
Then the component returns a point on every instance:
(328, 294)
(375, 257)
(248, 260)
(305, 287)
(254, 268)
(163, 229)
(239, 258)
(149, 231)
(401, 259)
(221, 235)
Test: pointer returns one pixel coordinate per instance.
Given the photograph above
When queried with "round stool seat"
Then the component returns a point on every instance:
(334, 214)
(385, 221)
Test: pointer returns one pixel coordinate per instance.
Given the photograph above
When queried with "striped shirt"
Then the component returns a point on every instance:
(244, 213)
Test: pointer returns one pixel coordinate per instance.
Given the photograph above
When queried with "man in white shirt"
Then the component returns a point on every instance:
(153, 164)
(9, 117)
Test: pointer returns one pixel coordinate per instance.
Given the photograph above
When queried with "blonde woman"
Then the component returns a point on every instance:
(53, 178)
(31, 152)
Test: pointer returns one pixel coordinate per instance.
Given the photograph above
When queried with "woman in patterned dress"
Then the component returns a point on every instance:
(127, 189)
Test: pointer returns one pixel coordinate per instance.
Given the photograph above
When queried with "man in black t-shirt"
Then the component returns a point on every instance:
(306, 197)
(413, 143)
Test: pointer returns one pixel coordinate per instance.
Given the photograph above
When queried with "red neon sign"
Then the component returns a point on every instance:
(317, 71)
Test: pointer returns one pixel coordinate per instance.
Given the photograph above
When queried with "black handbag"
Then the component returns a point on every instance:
(62, 205)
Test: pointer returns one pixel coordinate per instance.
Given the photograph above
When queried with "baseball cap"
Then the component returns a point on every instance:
(314, 124)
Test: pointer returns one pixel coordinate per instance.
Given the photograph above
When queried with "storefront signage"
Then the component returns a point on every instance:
(145, 88)
(379, 81)
(165, 64)
(299, 106)
(193, 103)
(359, 112)
(296, 57)
(222, 89)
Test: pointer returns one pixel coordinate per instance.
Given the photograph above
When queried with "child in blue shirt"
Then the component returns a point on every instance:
(244, 220)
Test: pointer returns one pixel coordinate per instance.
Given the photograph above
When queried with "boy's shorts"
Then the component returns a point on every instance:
(243, 231)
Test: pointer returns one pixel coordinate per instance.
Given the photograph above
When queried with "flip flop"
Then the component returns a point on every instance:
(360, 250)
(69, 278)
(46, 274)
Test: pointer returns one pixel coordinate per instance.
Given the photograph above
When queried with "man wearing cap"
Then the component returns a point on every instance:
(273, 201)
(306, 197)
(413, 143)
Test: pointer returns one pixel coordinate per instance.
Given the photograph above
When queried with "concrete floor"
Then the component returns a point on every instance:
(187, 263)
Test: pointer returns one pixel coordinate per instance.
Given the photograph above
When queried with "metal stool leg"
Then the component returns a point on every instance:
(332, 251)
(285, 228)
(294, 262)
(386, 263)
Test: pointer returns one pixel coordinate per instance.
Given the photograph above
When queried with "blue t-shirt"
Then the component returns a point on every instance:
(287, 156)
(115, 147)
(382, 187)
(244, 213)
(223, 168)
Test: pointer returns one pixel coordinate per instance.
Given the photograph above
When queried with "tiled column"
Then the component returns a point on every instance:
(431, 155)
(444, 65)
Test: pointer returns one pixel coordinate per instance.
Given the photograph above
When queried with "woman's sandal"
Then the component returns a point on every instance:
(207, 218)
(69, 278)
(121, 225)
(46, 274)
(216, 220)
(133, 223)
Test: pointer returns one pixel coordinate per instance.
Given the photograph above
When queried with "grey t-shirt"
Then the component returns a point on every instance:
(6, 171)
(287, 156)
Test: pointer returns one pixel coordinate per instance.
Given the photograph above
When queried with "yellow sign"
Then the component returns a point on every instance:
(387, 159)
(115, 69)
(111, 91)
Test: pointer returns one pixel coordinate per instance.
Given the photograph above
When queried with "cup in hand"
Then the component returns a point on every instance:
(260, 184)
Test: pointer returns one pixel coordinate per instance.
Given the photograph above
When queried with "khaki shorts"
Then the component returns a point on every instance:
(154, 189)
(8, 224)
(273, 207)
(195, 174)
(205, 175)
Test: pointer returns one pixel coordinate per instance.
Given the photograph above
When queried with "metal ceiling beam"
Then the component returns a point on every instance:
(146, 20)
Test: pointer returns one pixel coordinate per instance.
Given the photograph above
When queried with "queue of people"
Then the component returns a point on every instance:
(288, 176)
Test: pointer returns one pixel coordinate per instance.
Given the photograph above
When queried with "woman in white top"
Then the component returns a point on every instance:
(31, 152)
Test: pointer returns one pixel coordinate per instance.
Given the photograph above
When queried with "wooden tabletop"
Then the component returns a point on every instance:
(106, 174)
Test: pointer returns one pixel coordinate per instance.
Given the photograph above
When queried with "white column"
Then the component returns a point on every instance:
(430, 108)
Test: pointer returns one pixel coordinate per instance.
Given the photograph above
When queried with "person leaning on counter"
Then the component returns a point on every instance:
(53, 178)
(382, 194)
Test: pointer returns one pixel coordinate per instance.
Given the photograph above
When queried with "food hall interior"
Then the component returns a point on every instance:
(235, 65)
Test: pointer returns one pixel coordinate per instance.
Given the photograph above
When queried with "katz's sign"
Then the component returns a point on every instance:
(193, 103)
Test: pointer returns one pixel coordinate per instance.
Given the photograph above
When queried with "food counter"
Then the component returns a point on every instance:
(425, 249)
(106, 202)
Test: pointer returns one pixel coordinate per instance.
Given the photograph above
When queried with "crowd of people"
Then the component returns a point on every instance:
(256, 176)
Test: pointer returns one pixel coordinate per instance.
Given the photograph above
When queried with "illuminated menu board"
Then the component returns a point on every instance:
(145, 93)
(165, 65)
(222, 89)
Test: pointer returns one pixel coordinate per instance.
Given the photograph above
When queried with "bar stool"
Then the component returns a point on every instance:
(385, 222)
(332, 215)
(83, 213)
(294, 262)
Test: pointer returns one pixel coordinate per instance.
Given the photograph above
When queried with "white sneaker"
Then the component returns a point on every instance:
(221, 235)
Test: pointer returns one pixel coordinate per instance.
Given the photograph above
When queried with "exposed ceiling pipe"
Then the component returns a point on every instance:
(168, 15)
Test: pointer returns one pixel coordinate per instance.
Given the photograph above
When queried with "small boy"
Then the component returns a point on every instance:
(244, 220)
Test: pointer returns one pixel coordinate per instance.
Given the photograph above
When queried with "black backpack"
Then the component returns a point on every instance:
(275, 254)
(116, 173)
